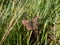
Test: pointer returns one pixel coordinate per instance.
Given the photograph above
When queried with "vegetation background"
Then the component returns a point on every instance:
(12, 12)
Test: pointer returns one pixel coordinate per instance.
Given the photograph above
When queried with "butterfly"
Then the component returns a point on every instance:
(30, 24)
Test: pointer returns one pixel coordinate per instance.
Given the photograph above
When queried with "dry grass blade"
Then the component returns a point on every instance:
(11, 25)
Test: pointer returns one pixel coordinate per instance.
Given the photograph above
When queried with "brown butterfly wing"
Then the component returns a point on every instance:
(35, 22)
(26, 23)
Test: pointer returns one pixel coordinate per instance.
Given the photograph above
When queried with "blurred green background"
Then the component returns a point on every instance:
(12, 12)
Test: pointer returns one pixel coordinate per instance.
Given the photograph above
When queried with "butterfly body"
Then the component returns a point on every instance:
(30, 24)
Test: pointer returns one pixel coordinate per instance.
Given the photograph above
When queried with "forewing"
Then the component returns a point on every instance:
(26, 23)
(35, 22)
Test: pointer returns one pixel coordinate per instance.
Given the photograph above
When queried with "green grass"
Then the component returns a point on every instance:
(12, 12)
